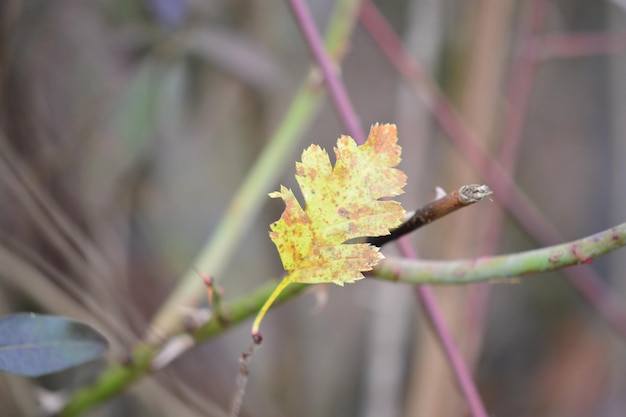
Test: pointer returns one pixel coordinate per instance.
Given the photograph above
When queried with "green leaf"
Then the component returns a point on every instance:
(34, 345)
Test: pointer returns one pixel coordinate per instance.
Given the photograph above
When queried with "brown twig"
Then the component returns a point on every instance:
(464, 196)
(242, 378)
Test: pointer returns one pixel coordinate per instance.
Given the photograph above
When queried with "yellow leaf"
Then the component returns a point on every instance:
(342, 203)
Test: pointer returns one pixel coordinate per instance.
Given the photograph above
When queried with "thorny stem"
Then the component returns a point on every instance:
(464, 196)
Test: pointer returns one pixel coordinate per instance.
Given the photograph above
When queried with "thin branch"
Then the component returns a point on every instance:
(346, 110)
(336, 88)
(456, 130)
(242, 379)
(119, 376)
(581, 251)
(428, 300)
(463, 197)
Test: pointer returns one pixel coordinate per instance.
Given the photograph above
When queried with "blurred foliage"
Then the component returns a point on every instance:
(127, 126)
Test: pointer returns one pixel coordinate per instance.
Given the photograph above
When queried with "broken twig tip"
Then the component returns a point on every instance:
(473, 193)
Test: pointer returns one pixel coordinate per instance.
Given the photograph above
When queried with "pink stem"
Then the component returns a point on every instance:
(337, 91)
(499, 179)
(348, 115)
(426, 295)
(585, 281)
(581, 44)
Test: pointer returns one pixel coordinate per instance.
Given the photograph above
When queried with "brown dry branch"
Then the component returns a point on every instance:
(463, 197)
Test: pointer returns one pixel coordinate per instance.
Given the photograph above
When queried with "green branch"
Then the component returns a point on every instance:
(466, 271)
(118, 377)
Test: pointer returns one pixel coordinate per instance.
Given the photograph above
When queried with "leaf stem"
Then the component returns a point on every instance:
(257, 321)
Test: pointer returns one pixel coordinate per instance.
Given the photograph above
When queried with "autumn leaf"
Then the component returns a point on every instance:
(342, 203)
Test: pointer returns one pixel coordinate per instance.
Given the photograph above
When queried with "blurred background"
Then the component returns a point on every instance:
(126, 127)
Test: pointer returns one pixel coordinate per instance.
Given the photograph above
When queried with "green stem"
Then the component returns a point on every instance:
(244, 207)
(466, 271)
(118, 377)
(268, 303)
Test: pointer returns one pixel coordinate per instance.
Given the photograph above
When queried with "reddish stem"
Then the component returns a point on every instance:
(340, 97)
(532, 220)
(426, 295)
(581, 44)
(338, 93)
